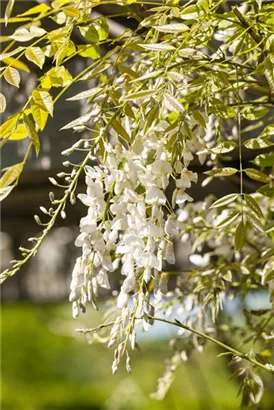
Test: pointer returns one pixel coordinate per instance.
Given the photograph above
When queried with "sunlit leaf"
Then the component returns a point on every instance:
(20, 133)
(227, 220)
(3, 103)
(41, 8)
(44, 100)
(222, 172)
(257, 143)
(39, 114)
(86, 94)
(225, 200)
(224, 147)
(12, 76)
(172, 28)
(140, 95)
(269, 73)
(253, 205)
(8, 10)
(32, 133)
(11, 175)
(35, 55)
(158, 47)
(256, 175)
(264, 160)
(15, 63)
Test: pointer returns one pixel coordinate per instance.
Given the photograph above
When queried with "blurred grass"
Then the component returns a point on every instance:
(46, 366)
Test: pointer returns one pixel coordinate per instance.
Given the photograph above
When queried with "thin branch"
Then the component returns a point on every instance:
(235, 352)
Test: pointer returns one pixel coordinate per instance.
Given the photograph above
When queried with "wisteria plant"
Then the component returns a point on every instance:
(185, 96)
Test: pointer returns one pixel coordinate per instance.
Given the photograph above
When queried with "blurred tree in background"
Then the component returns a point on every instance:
(168, 106)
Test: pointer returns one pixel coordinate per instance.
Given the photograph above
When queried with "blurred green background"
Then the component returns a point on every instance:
(47, 366)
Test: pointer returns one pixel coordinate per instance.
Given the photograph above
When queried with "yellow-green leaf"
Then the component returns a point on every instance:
(256, 175)
(12, 76)
(227, 220)
(18, 64)
(222, 172)
(269, 73)
(253, 205)
(11, 175)
(120, 130)
(3, 103)
(258, 143)
(36, 56)
(39, 115)
(20, 133)
(8, 10)
(224, 147)
(9, 125)
(41, 8)
(32, 133)
(225, 200)
(44, 100)
(240, 234)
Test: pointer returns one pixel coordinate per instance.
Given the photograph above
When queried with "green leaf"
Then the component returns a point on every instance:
(224, 147)
(199, 118)
(253, 205)
(240, 235)
(139, 95)
(264, 160)
(224, 200)
(172, 28)
(269, 73)
(11, 175)
(8, 10)
(173, 104)
(44, 100)
(267, 190)
(102, 28)
(222, 172)
(189, 12)
(268, 277)
(35, 55)
(256, 175)
(88, 51)
(253, 113)
(86, 94)
(120, 130)
(268, 131)
(32, 133)
(158, 47)
(228, 220)
(90, 33)
(220, 109)
(255, 222)
(3, 103)
(12, 76)
(258, 143)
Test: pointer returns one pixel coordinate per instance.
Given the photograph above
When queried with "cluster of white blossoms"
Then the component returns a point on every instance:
(130, 223)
